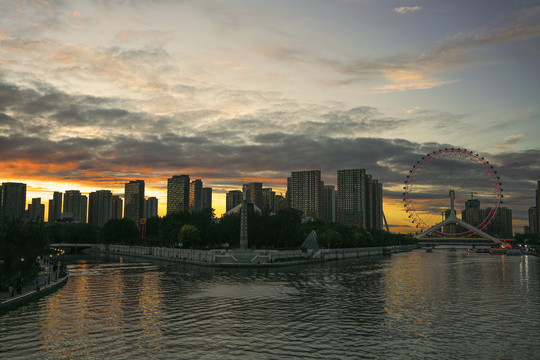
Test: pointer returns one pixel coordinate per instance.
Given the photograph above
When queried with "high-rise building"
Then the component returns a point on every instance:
(150, 207)
(134, 201)
(376, 205)
(84, 208)
(55, 207)
(374, 210)
(351, 197)
(329, 203)
(473, 214)
(76, 205)
(304, 189)
(178, 193)
(195, 195)
(117, 206)
(288, 193)
(36, 210)
(537, 225)
(100, 207)
(254, 194)
(12, 200)
(207, 198)
(233, 199)
(501, 224)
(269, 198)
(532, 220)
(280, 202)
(50, 218)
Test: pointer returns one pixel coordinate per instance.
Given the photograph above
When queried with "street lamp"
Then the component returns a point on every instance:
(56, 271)
(50, 262)
(21, 268)
(38, 258)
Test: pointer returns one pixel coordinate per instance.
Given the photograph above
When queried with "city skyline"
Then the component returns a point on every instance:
(93, 95)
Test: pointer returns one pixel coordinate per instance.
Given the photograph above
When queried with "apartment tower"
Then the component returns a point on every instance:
(178, 193)
(134, 201)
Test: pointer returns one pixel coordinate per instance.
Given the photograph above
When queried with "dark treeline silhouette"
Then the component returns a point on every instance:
(282, 230)
(21, 242)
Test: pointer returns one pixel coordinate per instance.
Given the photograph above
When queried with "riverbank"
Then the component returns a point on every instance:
(30, 292)
(248, 258)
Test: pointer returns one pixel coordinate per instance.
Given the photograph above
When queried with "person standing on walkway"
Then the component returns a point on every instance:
(10, 290)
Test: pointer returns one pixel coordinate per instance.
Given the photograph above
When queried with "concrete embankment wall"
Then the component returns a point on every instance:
(257, 257)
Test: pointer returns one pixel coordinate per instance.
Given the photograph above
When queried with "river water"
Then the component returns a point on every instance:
(416, 305)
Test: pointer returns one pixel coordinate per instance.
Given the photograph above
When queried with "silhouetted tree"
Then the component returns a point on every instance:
(120, 231)
(189, 236)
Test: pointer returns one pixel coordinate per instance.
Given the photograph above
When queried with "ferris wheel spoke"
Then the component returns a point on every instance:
(437, 178)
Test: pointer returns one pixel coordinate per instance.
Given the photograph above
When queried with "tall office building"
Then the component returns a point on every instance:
(537, 225)
(36, 210)
(134, 201)
(233, 199)
(100, 207)
(195, 195)
(12, 200)
(501, 224)
(351, 197)
(55, 207)
(150, 207)
(304, 189)
(374, 201)
(50, 217)
(280, 202)
(76, 205)
(117, 206)
(254, 194)
(178, 193)
(269, 199)
(84, 208)
(532, 220)
(329, 203)
(473, 214)
(288, 193)
(207, 198)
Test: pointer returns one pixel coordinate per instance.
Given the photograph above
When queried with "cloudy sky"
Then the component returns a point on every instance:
(96, 93)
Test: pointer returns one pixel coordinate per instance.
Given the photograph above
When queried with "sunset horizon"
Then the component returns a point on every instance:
(95, 94)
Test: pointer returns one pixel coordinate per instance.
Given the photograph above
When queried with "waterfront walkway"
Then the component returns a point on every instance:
(30, 292)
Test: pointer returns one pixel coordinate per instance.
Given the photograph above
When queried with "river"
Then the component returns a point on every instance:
(415, 305)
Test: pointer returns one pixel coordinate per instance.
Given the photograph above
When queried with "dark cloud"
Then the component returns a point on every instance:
(7, 121)
(99, 141)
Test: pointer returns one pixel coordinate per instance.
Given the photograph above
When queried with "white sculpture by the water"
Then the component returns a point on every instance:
(452, 219)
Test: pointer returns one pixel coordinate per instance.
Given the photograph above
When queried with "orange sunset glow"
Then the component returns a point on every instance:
(93, 96)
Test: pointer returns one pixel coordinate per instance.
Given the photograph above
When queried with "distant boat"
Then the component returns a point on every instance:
(429, 250)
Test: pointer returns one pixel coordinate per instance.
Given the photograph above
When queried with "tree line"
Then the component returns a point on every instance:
(284, 229)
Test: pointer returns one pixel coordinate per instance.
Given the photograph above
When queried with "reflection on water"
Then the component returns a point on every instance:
(412, 305)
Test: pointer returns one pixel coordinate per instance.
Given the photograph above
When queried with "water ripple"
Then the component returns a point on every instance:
(408, 306)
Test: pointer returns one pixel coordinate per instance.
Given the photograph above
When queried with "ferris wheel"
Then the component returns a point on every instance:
(446, 182)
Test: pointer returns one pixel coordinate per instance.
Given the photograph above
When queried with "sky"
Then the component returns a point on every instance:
(96, 93)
